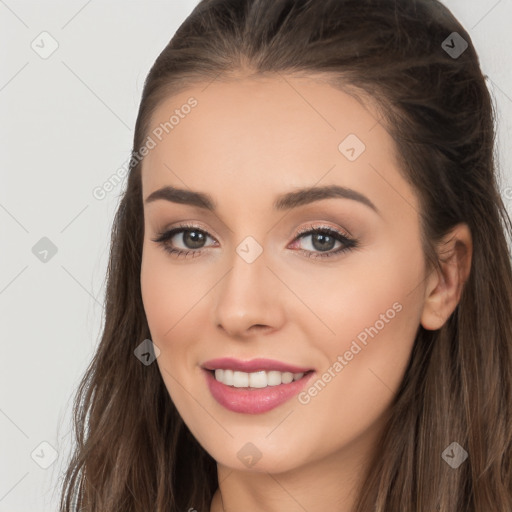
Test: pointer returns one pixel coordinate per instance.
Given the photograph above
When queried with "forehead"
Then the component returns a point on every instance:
(272, 133)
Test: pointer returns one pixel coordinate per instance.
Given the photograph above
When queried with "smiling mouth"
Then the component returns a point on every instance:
(255, 380)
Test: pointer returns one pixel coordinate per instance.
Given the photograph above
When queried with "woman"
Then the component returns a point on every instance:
(309, 289)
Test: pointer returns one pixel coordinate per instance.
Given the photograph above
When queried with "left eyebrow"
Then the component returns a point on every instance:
(286, 201)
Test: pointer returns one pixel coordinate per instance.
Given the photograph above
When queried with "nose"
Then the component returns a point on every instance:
(249, 299)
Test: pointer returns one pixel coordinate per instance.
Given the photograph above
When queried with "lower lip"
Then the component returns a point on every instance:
(254, 400)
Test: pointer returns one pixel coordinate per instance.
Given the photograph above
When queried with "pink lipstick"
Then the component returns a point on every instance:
(254, 400)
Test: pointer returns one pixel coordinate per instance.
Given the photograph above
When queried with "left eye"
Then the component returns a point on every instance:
(323, 240)
(193, 239)
(320, 240)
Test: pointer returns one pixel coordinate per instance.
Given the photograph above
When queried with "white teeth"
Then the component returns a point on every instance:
(240, 379)
(260, 379)
(273, 378)
(227, 377)
(257, 380)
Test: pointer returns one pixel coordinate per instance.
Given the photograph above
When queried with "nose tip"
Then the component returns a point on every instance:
(246, 303)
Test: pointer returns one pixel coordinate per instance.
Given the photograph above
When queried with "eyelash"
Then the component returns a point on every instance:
(349, 243)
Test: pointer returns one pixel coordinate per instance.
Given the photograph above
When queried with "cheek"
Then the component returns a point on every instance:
(375, 330)
(363, 371)
(368, 294)
(171, 293)
(374, 309)
(170, 299)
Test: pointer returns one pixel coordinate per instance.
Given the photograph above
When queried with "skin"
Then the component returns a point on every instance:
(247, 141)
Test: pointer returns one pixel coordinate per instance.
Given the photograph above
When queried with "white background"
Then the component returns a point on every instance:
(67, 126)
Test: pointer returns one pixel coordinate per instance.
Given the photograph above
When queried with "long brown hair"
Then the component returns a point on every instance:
(133, 451)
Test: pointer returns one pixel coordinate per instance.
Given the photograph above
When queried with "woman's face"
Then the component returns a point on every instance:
(343, 304)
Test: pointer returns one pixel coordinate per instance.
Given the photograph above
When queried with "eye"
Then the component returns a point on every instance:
(190, 236)
(324, 239)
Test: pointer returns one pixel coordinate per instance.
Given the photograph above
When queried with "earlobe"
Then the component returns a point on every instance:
(444, 286)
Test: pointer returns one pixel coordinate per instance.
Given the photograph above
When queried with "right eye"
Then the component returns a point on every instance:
(192, 238)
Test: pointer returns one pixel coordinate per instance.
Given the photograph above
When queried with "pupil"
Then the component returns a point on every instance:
(196, 239)
(326, 242)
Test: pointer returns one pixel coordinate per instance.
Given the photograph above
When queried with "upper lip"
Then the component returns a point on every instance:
(254, 365)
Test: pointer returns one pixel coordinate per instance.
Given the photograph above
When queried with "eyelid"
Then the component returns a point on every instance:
(316, 226)
(183, 226)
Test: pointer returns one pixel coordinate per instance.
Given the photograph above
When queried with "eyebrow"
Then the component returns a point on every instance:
(286, 201)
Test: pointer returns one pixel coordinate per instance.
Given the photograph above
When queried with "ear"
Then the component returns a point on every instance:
(444, 288)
